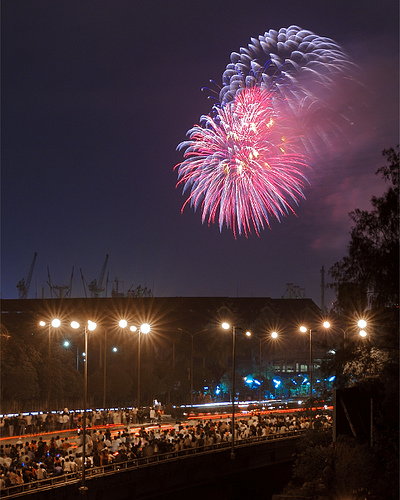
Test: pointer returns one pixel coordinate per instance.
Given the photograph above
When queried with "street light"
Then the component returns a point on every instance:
(55, 323)
(226, 326)
(274, 335)
(67, 344)
(304, 329)
(114, 349)
(144, 328)
(362, 324)
(192, 335)
(90, 326)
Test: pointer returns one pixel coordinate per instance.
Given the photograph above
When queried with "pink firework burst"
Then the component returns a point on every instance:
(241, 165)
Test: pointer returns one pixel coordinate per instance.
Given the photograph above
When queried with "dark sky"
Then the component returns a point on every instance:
(96, 95)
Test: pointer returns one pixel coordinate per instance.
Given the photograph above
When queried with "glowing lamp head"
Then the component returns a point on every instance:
(123, 323)
(75, 325)
(274, 335)
(42, 323)
(326, 324)
(248, 334)
(145, 328)
(363, 333)
(303, 329)
(66, 343)
(132, 328)
(55, 323)
(362, 323)
(92, 325)
(225, 326)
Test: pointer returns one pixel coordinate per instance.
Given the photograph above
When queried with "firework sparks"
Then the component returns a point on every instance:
(241, 166)
(277, 109)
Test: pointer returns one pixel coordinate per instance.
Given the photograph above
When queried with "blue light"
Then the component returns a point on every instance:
(218, 390)
(248, 380)
(257, 382)
(277, 383)
(332, 379)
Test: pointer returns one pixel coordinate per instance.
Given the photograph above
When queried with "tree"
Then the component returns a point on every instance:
(371, 267)
(19, 376)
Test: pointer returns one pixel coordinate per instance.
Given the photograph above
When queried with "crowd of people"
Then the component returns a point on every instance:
(41, 422)
(38, 459)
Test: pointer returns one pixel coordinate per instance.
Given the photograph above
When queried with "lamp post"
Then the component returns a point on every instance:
(304, 329)
(67, 344)
(226, 326)
(144, 328)
(274, 335)
(114, 349)
(192, 335)
(90, 326)
(54, 323)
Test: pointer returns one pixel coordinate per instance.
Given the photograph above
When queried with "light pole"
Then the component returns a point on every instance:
(114, 349)
(304, 329)
(55, 323)
(67, 344)
(90, 326)
(226, 326)
(192, 335)
(144, 328)
(274, 335)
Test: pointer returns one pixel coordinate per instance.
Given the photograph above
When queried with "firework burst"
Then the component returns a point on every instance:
(278, 108)
(241, 166)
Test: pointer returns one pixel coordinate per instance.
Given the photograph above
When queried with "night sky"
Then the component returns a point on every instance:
(96, 95)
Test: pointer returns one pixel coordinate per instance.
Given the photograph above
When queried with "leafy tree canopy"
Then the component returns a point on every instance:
(371, 268)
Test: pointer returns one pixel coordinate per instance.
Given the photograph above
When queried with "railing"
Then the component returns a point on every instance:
(132, 464)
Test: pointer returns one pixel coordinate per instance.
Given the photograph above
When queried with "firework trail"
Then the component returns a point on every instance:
(247, 159)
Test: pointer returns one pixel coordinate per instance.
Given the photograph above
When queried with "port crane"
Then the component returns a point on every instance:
(96, 287)
(23, 286)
